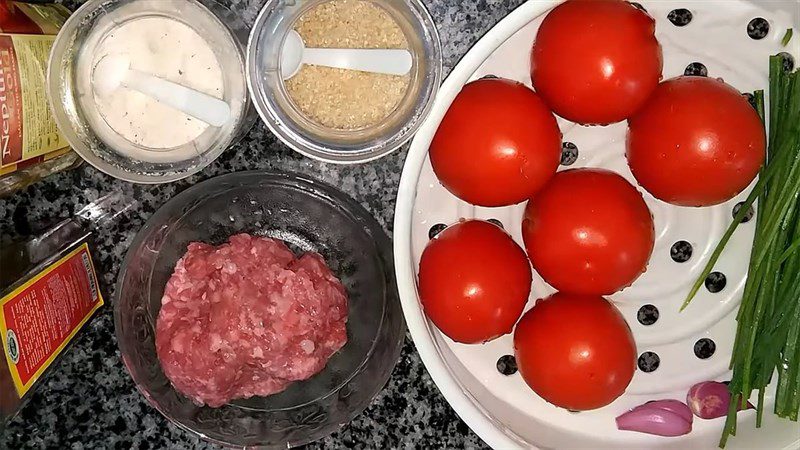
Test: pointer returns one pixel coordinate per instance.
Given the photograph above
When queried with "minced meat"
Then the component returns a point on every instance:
(247, 318)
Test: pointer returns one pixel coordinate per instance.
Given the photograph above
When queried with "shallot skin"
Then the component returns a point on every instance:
(711, 399)
(675, 406)
(667, 418)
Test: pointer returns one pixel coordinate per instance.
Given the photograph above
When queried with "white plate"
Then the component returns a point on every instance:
(501, 409)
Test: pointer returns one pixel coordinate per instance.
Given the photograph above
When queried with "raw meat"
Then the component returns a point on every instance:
(248, 318)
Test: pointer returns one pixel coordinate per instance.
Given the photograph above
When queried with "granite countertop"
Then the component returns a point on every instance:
(89, 401)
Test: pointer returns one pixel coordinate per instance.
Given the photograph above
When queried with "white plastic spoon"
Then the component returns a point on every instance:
(387, 61)
(114, 70)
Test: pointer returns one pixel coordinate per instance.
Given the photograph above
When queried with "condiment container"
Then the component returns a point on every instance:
(284, 117)
(32, 147)
(128, 134)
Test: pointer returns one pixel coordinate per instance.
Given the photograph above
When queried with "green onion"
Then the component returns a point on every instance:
(787, 37)
(768, 321)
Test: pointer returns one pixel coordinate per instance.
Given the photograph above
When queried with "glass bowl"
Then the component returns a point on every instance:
(72, 101)
(308, 216)
(284, 119)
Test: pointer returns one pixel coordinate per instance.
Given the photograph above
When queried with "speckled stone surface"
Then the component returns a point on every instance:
(90, 402)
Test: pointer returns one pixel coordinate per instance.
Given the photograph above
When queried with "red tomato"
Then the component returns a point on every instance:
(497, 144)
(696, 142)
(575, 351)
(474, 281)
(588, 232)
(596, 61)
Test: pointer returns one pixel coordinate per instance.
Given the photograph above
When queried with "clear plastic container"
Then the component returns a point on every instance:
(282, 116)
(309, 216)
(87, 131)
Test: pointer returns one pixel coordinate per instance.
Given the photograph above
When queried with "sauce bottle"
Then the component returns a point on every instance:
(31, 146)
(48, 292)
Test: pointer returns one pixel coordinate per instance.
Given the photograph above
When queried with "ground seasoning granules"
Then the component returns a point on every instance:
(347, 99)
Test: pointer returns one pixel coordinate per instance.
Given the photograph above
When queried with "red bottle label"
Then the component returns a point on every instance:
(38, 319)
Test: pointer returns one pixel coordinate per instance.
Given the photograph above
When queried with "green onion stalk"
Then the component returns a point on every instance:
(768, 322)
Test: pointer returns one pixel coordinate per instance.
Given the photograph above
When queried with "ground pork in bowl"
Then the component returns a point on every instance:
(259, 309)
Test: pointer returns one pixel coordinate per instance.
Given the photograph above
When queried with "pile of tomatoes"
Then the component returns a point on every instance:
(692, 141)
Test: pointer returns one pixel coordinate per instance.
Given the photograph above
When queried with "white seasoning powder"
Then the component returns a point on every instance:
(347, 99)
(168, 49)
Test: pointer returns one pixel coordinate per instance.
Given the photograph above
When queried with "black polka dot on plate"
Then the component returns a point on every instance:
(638, 6)
(647, 315)
(648, 362)
(496, 222)
(507, 365)
(696, 69)
(569, 153)
(751, 99)
(680, 17)
(715, 282)
(436, 229)
(704, 348)
(681, 251)
(489, 77)
(747, 216)
(758, 28)
(787, 61)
